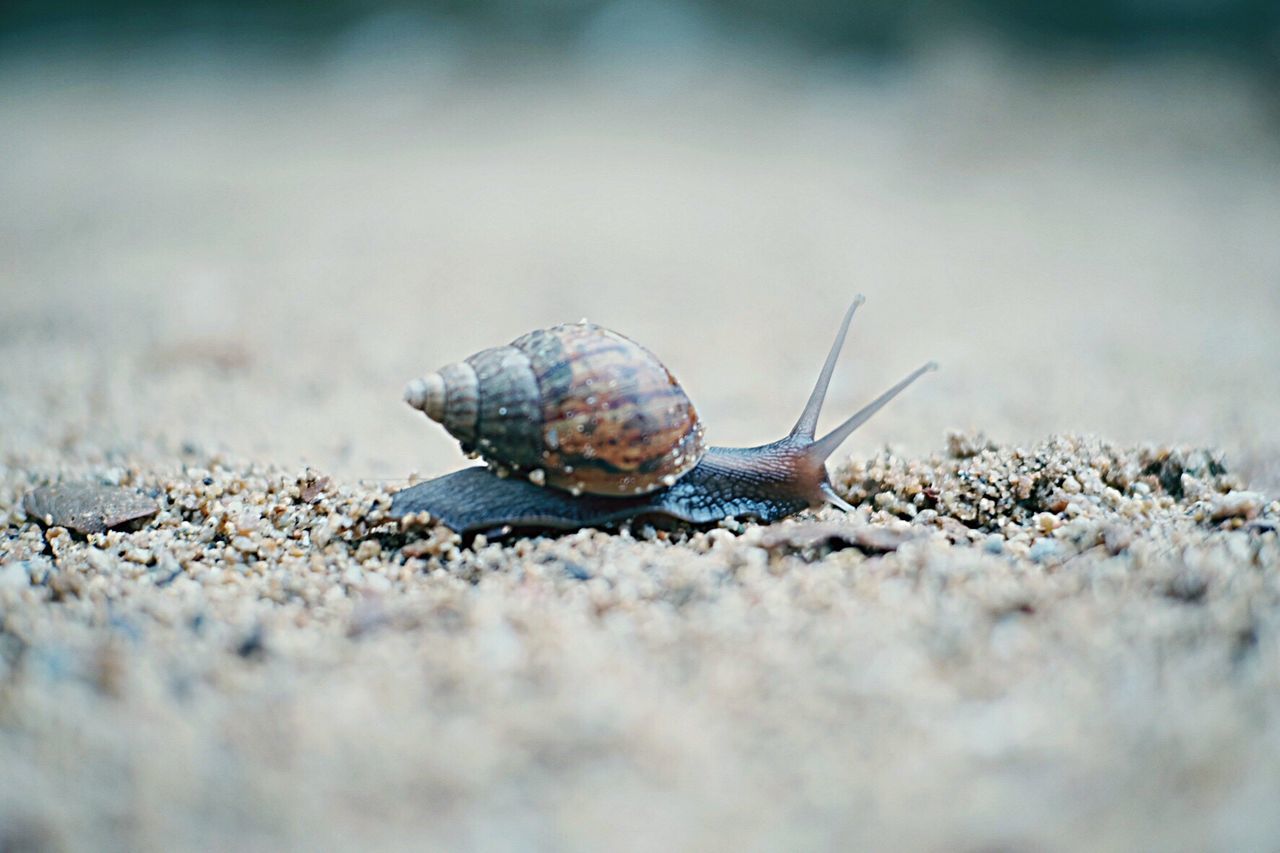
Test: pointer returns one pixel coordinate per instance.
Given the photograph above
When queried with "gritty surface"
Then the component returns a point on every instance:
(1011, 643)
(1018, 642)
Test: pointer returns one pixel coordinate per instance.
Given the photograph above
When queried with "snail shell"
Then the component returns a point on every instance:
(575, 406)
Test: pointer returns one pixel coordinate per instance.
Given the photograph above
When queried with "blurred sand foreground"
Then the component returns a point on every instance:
(213, 277)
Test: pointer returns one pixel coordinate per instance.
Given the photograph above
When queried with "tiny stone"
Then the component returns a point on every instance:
(312, 488)
(100, 560)
(14, 575)
(377, 583)
(1116, 538)
(1187, 585)
(1043, 549)
(1244, 505)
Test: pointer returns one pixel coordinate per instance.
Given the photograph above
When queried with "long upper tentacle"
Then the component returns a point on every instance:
(815, 451)
(807, 425)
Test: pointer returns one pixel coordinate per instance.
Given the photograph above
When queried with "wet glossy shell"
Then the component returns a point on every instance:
(576, 406)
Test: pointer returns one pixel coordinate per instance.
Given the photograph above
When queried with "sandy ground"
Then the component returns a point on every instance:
(216, 281)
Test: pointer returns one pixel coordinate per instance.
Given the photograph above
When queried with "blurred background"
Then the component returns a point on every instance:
(1244, 31)
(245, 225)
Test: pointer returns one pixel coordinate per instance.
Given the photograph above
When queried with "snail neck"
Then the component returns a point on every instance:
(786, 470)
(767, 483)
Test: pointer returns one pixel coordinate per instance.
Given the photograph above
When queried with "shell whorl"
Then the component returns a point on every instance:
(576, 406)
(450, 396)
(426, 394)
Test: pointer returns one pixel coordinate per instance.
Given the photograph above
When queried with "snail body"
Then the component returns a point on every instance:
(583, 427)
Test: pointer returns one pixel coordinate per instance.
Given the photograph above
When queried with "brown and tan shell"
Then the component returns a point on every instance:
(576, 406)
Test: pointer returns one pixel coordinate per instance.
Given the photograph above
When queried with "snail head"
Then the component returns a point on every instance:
(799, 459)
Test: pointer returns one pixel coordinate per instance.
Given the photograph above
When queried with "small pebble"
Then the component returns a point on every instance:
(1045, 522)
(87, 507)
(1245, 505)
(14, 575)
(1043, 549)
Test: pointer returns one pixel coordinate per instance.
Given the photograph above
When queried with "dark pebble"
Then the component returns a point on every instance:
(88, 508)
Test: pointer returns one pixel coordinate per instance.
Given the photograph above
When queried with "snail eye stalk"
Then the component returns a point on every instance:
(803, 432)
(825, 446)
(807, 425)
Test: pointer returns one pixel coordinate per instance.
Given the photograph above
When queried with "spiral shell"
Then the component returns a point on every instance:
(575, 406)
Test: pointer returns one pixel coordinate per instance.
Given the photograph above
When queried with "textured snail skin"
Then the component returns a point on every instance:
(766, 483)
(735, 482)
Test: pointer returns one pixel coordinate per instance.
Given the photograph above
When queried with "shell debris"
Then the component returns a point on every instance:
(88, 507)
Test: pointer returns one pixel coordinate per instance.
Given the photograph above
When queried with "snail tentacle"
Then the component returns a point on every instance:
(829, 492)
(808, 471)
(807, 424)
(825, 446)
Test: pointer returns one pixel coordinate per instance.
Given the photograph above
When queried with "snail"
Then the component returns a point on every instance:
(583, 427)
